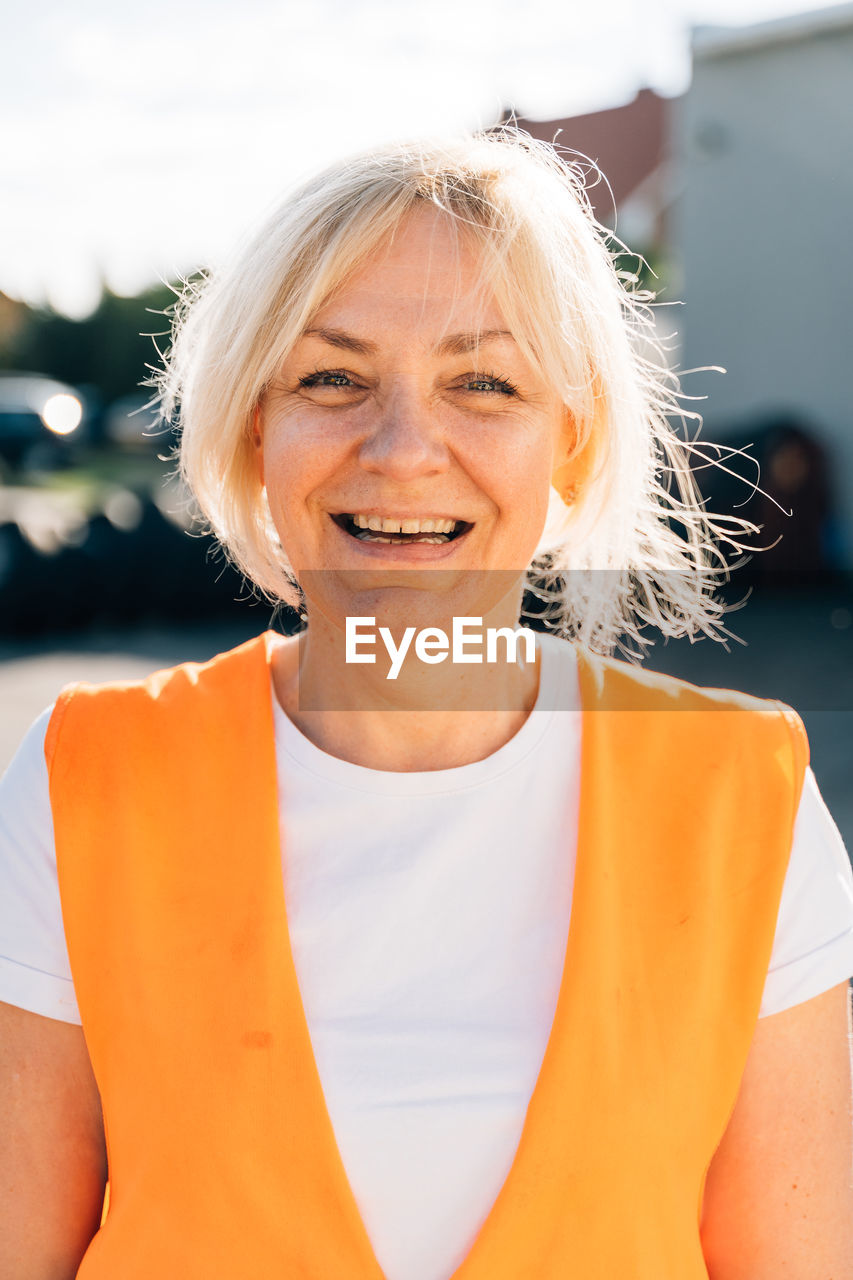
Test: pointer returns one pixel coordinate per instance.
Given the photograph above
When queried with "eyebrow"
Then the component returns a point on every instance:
(462, 343)
(453, 344)
(344, 341)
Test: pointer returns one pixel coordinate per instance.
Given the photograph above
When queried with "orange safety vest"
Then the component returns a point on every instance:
(222, 1158)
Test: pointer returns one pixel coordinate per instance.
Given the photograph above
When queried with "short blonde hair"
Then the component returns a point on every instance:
(627, 541)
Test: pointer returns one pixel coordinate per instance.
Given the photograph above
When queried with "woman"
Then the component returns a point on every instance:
(516, 1016)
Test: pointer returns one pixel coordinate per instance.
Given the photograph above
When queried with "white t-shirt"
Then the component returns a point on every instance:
(429, 941)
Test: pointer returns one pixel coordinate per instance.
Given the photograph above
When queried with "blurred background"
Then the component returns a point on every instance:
(142, 142)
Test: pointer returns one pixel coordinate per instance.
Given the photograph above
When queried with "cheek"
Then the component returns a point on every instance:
(526, 492)
(287, 480)
(524, 473)
(292, 461)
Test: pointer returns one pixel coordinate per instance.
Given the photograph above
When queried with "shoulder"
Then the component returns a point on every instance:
(623, 685)
(34, 970)
(711, 734)
(614, 685)
(24, 804)
(105, 715)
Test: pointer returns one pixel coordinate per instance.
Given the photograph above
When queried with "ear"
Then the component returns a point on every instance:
(258, 440)
(573, 465)
(570, 464)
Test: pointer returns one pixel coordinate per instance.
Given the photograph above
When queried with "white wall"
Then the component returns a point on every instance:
(764, 228)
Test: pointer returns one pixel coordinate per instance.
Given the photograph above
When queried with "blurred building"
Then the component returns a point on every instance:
(630, 144)
(764, 145)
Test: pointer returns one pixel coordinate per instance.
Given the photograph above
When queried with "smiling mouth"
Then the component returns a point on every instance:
(379, 529)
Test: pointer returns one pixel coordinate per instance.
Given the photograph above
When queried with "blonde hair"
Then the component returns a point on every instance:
(627, 541)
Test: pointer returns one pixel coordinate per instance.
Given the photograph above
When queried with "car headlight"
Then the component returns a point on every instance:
(62, 414)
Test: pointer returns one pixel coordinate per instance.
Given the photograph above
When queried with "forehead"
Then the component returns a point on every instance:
(428, 276)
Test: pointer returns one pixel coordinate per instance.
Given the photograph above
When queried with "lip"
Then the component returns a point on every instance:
(401, 552)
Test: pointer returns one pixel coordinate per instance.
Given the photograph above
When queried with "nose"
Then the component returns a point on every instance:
(405, 441)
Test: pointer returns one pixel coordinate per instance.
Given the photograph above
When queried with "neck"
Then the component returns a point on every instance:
(402, 713)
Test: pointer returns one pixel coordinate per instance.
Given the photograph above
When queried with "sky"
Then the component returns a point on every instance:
(140, 141)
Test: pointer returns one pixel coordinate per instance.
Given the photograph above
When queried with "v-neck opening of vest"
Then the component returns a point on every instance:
(467, 1269)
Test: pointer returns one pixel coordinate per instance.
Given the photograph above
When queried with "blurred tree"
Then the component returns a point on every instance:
(109, 350)
(640, 272)
(14, 317)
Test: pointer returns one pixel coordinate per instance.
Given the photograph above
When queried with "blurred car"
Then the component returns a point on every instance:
(39, 419)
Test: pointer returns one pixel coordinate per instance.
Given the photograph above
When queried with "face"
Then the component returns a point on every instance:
(398, 454)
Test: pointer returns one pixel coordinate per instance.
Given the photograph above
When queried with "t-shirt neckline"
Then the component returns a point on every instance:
(558, 688)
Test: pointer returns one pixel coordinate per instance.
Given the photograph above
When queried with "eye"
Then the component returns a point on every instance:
(331, 388)
(327, 378)
(489, 384)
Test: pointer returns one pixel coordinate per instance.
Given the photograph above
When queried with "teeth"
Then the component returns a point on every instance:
(384, 524)
(367, 536)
